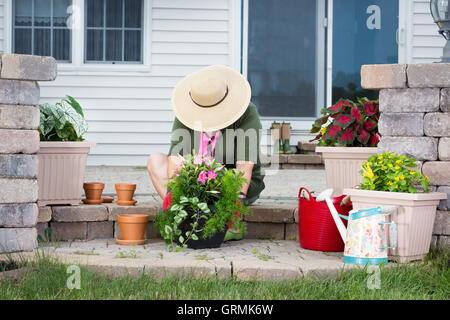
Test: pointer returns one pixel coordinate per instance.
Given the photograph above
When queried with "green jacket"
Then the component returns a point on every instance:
(238, 142)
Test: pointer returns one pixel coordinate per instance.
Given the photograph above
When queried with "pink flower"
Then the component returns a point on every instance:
(212, 175)
(198, 160)
(202, 177)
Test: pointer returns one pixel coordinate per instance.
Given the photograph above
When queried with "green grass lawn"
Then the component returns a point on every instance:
(47, 280)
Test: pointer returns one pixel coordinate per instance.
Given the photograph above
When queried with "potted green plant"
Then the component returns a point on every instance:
(348, 135)
(390, 179)
(205, 197)
(63, 152)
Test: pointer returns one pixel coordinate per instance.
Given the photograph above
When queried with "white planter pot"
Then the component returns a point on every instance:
(414, 218)
(61, 171)
(342, 166)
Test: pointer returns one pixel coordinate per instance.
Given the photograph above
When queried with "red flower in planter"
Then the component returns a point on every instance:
(348, 123)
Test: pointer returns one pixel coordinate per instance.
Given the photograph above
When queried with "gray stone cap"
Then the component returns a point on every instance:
(261, 211)
(27, 67)
(397, 76)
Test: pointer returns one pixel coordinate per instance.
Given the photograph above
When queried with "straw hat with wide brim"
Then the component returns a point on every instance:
(211, 99)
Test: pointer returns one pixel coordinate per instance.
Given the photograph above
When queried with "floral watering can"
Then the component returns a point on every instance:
(366, 241)
(366, 235)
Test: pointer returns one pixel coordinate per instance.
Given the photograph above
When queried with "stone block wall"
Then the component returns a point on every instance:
(415, 121)
(19, 142)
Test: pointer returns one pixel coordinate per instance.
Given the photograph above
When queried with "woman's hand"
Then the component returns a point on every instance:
(175, 163)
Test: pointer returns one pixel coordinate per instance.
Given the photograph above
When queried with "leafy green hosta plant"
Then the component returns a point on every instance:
(348, 123)
(391, 172)
(204, 195)
(63, 121)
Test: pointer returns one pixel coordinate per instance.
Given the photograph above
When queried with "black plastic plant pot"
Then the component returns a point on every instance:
(214, 242)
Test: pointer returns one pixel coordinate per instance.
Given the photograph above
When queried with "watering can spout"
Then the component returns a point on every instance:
(326, 195)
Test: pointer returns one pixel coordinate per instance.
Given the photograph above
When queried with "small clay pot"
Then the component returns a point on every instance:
(125, 191)
(133, 226)
(93, 190)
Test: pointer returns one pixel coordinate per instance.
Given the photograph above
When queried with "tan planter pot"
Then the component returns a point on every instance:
(342, 166)
(414, 218)
(61, 171)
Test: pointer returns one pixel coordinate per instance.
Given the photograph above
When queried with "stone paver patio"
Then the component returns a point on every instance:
(244, 260)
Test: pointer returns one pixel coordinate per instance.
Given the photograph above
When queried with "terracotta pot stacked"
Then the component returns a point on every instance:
(125, 192)
(132, 227)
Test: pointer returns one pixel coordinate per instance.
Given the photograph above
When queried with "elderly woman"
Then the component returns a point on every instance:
(215, 118)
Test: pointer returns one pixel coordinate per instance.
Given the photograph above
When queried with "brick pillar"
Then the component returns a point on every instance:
(415, 121)
(19, 142)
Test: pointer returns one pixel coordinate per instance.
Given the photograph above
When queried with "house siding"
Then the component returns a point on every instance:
(129, 113)
(427, 43)
(2, 25)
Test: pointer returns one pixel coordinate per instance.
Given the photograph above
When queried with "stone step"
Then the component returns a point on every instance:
(268, 219)
(307, 146)
(293, 158)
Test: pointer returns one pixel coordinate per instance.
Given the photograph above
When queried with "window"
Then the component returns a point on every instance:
(40, 28)
(113, 31)
(369, 39)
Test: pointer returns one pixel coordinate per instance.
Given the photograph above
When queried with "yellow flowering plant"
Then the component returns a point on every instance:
(391, 172)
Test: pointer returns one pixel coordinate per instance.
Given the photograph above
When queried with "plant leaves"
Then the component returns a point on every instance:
(348, 136)
(373, 141)
(356, 114)
(344, 120)
(74, 104)
(369, 125)
(363, 137)
(332, 131)
(370, 108)
(62, 121)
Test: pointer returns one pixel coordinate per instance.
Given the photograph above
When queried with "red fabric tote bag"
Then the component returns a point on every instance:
(317, 230)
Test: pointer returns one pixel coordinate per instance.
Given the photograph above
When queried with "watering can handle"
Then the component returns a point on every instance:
(304, 193)
(392, 235)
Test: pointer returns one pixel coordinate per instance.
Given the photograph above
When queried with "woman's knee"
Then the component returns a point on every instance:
(156, 160)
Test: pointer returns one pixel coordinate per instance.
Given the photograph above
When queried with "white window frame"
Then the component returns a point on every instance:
(78, 65)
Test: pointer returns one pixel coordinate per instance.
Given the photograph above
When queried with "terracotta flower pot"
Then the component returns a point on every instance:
(133, 226)
(125, 191)
(93, 190)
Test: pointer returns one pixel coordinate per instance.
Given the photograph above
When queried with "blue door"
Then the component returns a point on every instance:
(364, 32)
